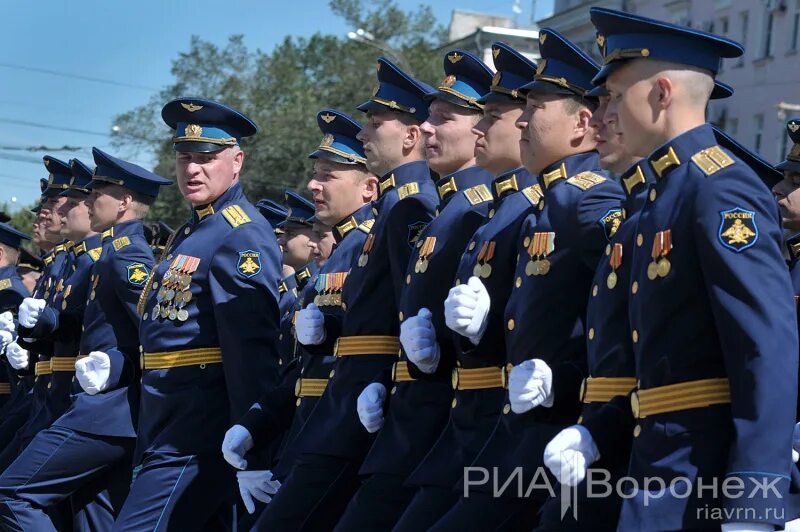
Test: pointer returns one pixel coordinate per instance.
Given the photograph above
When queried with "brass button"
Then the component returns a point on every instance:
(155, 285)
(527, 241)
(394, 390)
(145, 316)
(541, 205)
(299, 400)
(169, 257)
(454, 403)
(332, 373)
(635, 287)
(639, 240)
(518, 282)
(187, 231)
(49, 385)
(594, 290)
(400, 315)
(374, 211)
(506, 409)
(580, 419)
(408, 279)
(511, 324)
(491, 213)
(652, 194)
(635, 336)
(472, 245)
(202, 366)
(636, 431)
(73, 379)
(608, 249)
(280, 336)
(591, 333)
(458, 282)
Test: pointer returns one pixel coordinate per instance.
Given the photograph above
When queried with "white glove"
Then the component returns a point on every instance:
(7, 322)
(570, 453)
(235, 444)
(747, 527)
(310, 326)
(466, 309)
(257, 485)
(370, 406)
(17, 356)
(796, 443)
(419, 341)
(30, 310)
(6, 339)
(530, 384)
(93, 372)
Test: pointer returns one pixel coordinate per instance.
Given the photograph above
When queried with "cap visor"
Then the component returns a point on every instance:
(198, 147)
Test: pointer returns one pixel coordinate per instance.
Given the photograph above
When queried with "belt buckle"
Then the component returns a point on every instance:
(454, 378)
(504, 373)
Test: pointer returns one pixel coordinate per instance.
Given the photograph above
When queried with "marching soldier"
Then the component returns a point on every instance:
(709, 214)
(421, 378)
(333, 442)
(342, 190)
(209, 325)
(478, 378)
(29, 269)
(274, 213)
(86, 453)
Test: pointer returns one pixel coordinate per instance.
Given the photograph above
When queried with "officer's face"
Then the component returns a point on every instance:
(338, 190)
(633, 108)
(105, 205)
(29, 279)
(203, 177)
(613, 154)
(550, 130)
(294, 244)
(321, 243)
(386, 141)
(497, 145)
(53, 221)
(787, 193)
(75, 214)
(449, 140)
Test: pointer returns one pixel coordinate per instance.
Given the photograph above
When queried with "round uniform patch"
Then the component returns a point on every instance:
(737, 229)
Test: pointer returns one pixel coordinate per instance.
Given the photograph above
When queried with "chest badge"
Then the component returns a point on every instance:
(425, 251)
(249, 263)
(660, 265)
(483, 269)
(615, 261)
(539, 247)
(737, 229)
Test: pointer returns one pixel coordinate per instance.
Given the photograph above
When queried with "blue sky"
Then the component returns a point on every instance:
(131, 44)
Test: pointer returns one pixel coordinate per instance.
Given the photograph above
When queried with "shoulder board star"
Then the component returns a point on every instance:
(478, 194)
(585, 180)
(121, 242)
(235, 216)
(712, 160)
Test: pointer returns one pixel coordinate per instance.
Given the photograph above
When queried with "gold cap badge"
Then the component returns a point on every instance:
(455, 57)
(449, 81)
(194, 131)
(328, 118)
(191, 107)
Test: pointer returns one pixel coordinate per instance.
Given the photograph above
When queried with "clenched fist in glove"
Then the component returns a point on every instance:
(310, 326)
(370, 406)
(419, 341)
(93, 372)
(466, 309)
(530, 384)
(17, 356)
(570, 453)
(30, 310)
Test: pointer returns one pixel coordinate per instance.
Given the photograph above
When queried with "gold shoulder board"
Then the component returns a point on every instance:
(121, 242)
(409, 189)
(533, 193)
(366, 225)
(235, 215)
(585, 180)
(712, 160)
(478, 194)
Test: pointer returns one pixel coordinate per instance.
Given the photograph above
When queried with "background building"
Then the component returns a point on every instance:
(475, 32)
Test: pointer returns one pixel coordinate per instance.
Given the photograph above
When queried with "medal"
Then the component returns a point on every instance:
(423, 267)
(530, 268)
(615, 261)
(652, 271)
(156, 311)
(64, 305)
(544, 266)
(476, 271)
(170, 294)
(486, 271)
(663, 267)
(418, 265)
(611, 282)
(362, 260)
(173, 313)
(183, 315)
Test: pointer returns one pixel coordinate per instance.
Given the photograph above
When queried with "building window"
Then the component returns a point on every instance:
(783, 144)
(744, 19)
(723, 25)
(766, 34)
(759, 127)
(733, 126)
(795, 28)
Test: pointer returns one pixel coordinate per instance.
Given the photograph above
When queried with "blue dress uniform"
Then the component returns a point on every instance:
(86, 453)
(333, 441)
(557, 251)
(292, 403)
(12, 292)
(490, 254)
(713, 323)
(406, 434)
(209, 328)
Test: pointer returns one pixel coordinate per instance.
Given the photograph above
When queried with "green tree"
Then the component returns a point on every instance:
(281, 91)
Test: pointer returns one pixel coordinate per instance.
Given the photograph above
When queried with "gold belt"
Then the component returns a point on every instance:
(186, 357)
(5, 388)
(681, 396)
(42, 368)
(400, 372)
(480, 378)
(603, 389)
(366, 345)
(310, 387)
(63, 364)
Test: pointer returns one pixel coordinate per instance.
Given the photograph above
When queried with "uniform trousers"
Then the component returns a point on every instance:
(377, 505)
